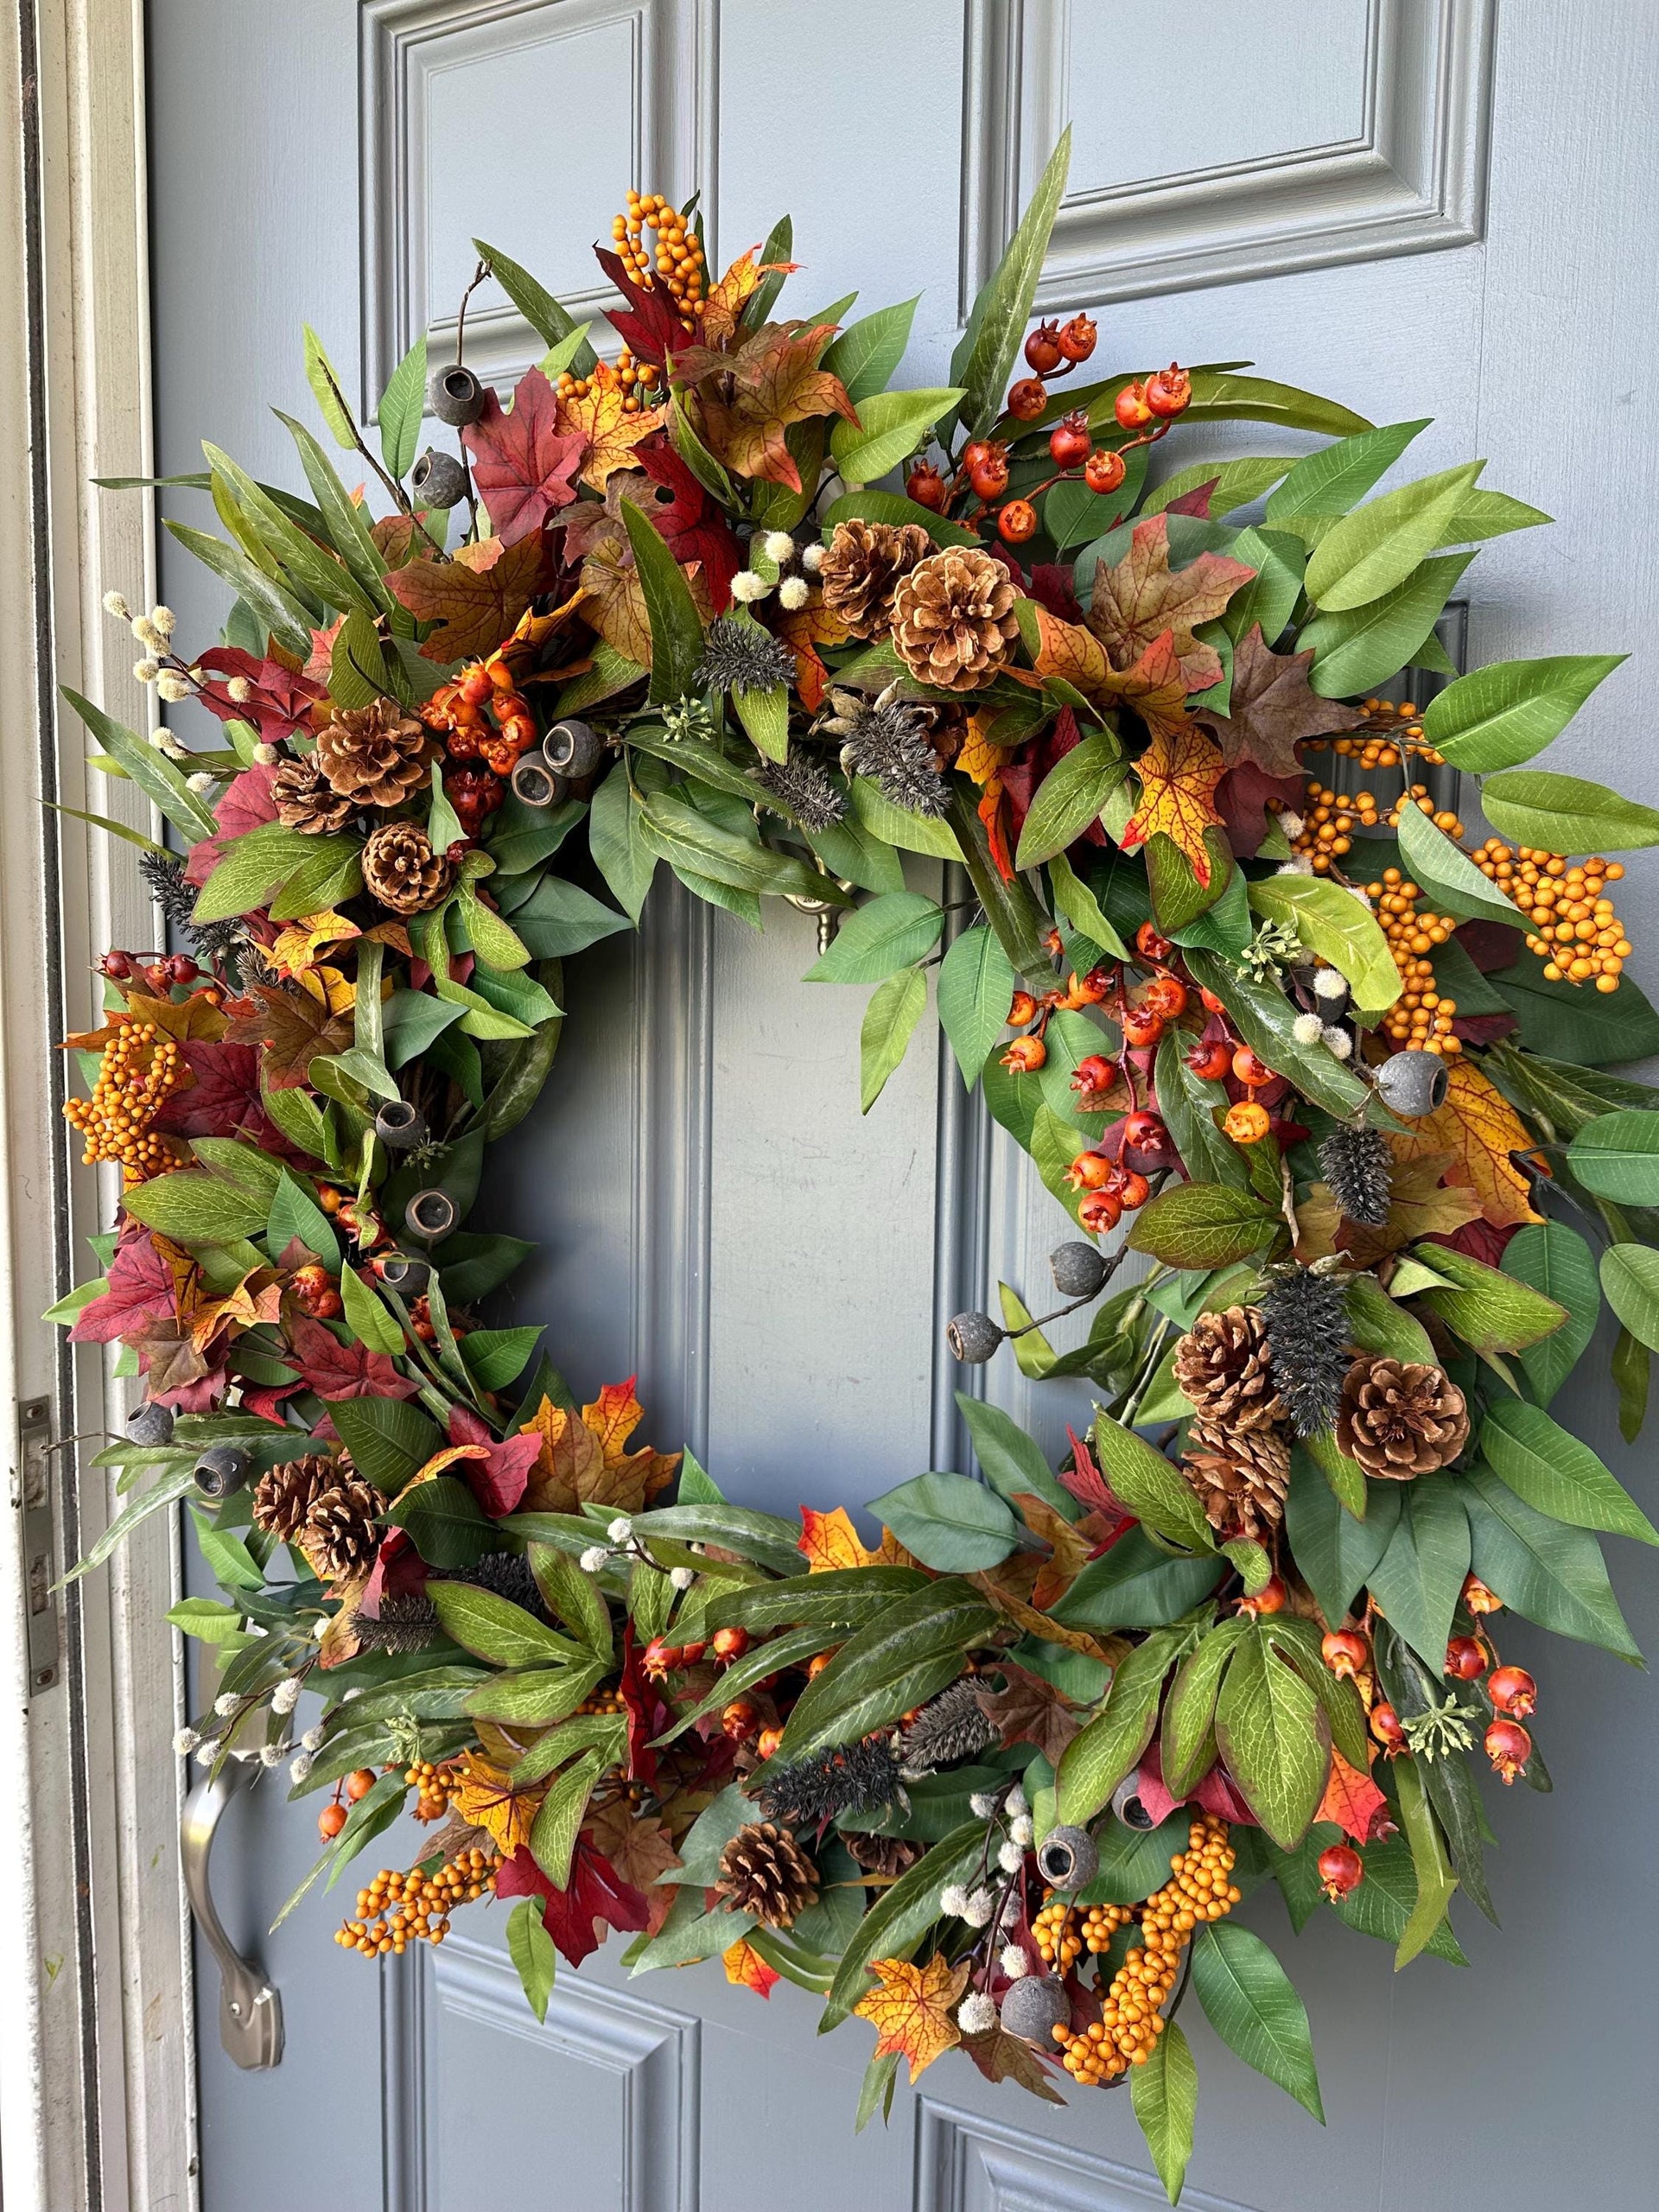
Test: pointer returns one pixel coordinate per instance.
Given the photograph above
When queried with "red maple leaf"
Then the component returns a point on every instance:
(1243, 796)
(224, 1101)
(498, 1482)
(577, 1916)
(246, 803)
(140, 1292)
(1088, 1486)
(654, 329)
(400, 1571)
(689, 523)
(1215, 1792)
(522, 463)
(1022, 775)
(281, 698)
(349, 1370)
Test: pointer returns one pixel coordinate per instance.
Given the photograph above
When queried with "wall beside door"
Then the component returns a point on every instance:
(1417, 206)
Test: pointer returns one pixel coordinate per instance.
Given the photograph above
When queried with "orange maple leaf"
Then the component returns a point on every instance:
(1153, 686)
(485, 1798)
(635, 1478)
(1068, 651)
(611, 431)
(722, 307)
(979, 759)
(1179, 772)
(1134, 602)
(570, 1465)
(778, 383)
(828, 1540)
(804, 630)
(1480, 1129)
(914, 2009)
(1352, 1800)
(1069, 1551)
(746, 1968)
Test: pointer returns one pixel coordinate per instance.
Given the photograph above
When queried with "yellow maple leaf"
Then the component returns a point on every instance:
(828, 1540)
(484, 1797)
(1480, 1129)
(1179, 772)
(746, 1968)
(611, 433)
(914, 2009)
(330, 989)
(1419, 1204)
(1068, 1550)
(571, 1462)
(297, 947)
(979, 759)
(1067, 650)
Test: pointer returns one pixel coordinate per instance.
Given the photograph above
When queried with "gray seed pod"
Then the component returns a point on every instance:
(221, 1470)
(400, 1125)
(430, 1215)
(408, 1277)
(1079, 1270)
(1067, 1858)
(535, 783)
(573, 749)
(151, 1423)
(1412, 1083)
(973, 1338)
(457, 396)
(1127, 1806)
(438, 479)
(1033, 2007)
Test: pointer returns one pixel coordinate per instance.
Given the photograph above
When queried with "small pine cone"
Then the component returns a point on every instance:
(764, 1870)
(862, 569)
(1359, 1168)
(404, 1624)
(403, 870)
(374, 755)
(802, 784)
(1222, 1366)
(887, 1855)
(340, 1536)
(953, 618)
(506, 1574)
(949, 1727)
(1306, 1319)
(307, 801)
(1399, 1418)
(284, 1496)
(1240, 1477)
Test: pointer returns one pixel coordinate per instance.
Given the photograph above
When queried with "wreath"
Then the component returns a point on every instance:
(1229, 968)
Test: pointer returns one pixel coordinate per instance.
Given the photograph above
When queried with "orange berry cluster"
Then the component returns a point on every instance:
(603, 1701)
(397, 1910)
(1329, 820)
(500, 736)
(635, 377)
(432, 1785)
(1417, 796)
(1132, 2017)
(678, 253)
(1388, 732)
(1420, 1019)
(141, 1068)
(1576, 932)
(1054, 1931)
(1101, 1922)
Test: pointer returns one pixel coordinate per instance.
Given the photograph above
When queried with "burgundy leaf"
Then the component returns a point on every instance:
(523, 464)
(280, 701)
(349, 1370)
(139, 1293)
(689, 523)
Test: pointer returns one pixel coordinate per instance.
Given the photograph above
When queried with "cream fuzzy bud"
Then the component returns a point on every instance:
(977, 1908)
(114, 603)
(1014, 1961)
(812, 557)
(1016, 1803)
(286, 1695)
(1009, 1856)
(1022, 1831)
(620, 1529)
(778, 546)
(270, 1754)
(983, 1804)
(145, 671)
(240, 689)
(224, 1706)
(267, 756)
(683, 1577)
(593, 1559)
(1292, 824)
(976, 2014)
(794, 594)
(1330, 983)
(1338, 1042)
(201, 782)
(164, 619)
(185, 1742)
(1307, 1029)
(312, 1739)
(953, 1900)
(1298, 864)
(147, 634)
(746, 586)
(299, 1767)
(171, 688)
(206, 1753)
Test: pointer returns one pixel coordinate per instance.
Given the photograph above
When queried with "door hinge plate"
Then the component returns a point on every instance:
(33, 1501)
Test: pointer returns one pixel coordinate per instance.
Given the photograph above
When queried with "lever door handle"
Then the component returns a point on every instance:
(249, 2009)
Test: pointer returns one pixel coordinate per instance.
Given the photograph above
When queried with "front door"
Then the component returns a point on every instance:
(1408, 204)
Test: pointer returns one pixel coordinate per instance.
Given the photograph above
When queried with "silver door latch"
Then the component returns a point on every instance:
(249, 2009)
(33, 1499)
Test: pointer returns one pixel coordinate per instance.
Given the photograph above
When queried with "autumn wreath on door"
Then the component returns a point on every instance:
(1225, 963)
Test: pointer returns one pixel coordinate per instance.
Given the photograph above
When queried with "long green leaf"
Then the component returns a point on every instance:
(982, 362)
(1250, 2002)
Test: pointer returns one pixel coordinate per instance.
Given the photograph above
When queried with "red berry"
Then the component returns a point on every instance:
(476, 686)
(1100, 1211)
(1104, 471)
(690, 1653)
(1513, 1691)
(1151, 943)
(990, 479)
(1477, 1599)
(1211, 1002)
(1211, 1061)
(925, 485)
(1017, 522)
(1026, 400)
(1170, 393)
(158, 975)
(1043, 348)
(1022, 1008)
(739, 1719)
(1386, 1728)
(1269, 1598)
(1341, 1869)
(1077, 339)
(658, 1660)
(358, 1782)
(1093, 1072)
(1068, 441)
(181, 969)
(1345, 1651)
(1134, 1189)
(1145, 1132)
(1025, 1055)
(1251, 1071)
(1131, 408)
(977, 452)
(730, 1644)
(1166, 994)
(330, 1820)
(1091, 1171)
(1509, 1747)
(1466, 1659)
(1142, 1027)
(118, 964)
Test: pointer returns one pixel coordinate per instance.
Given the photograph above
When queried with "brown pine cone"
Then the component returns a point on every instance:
(1240, 1477)
(953, 618)
(403, 870)
(307, 801)
(374, 755)
(1399, 1418)
(764, 1870)
(862, 567)
(284, 1496)
(339, 1538)
(887, 1855)
(1221, 1365)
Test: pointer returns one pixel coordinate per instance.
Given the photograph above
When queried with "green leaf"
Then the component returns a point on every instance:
(531, 1949)
(867, 352)
(1382, 1903)
(553, 1837)
(1630, 1278)
(952, 1524)
(1420, 1577)
(1353, 652)
(327, 388)
(387, 1438)
(1591, 1028)
(161, 781)
(1137, 1584)
(1250, 2002)
(848, 849)
(1219, 396)
(1552, 1470)
(1491, 514)
(494, 1357)
(874, 1676)
(1497, 717)
(764, 716)
(1236, 482)
(984, 360)
(1335, 1552)
(895, 825)
(443, 1522)
(1616, 1156)
(274, 606)
(1202, 1225)
(1077, 903)
(1165, 2095)
(1565, 814)
(890, 1020)
(1542, 1569)
(206, 1620)
(890, 427)
(894, 931)
(1377, 546)
(1264, 1019)
(539, 308)
(1071, 796)
(175, 1484)
(1332, 923)
(1010, 1460)
(676, 626)
(1447, 874)
(1270, 597)
(1324, 485)
(573, 1596)
(345, 522)
(1110, 1744)
(495, 1628)
(1436, 1880)
(1155, 1491)
(366, 1318)
(977, 984)
(1073, 515)
(1632, 1369)
(616, 840)
(192, 1206)
(1556, 1260)
(255, 865)
(1188, 1744)
(1273, 1732)
(1486, 1307)
(689, 839)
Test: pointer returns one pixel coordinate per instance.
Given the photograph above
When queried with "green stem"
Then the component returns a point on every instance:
(1010, 908)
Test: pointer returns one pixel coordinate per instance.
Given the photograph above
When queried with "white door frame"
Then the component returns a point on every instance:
(97, 2071)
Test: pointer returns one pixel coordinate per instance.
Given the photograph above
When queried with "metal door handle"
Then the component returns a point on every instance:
(249, 2009)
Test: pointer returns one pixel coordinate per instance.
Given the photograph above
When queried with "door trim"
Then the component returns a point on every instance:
(97, 2089)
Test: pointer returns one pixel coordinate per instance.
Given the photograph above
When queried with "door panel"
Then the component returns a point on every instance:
(1374, 198)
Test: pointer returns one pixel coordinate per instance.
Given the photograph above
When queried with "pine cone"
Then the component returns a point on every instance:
(1305, 1314)
(308, 801)
(508, 1575)
(887, 1855)
(1221, 1365)
(341, 1538)
(404, 1624)
(1240, 1477)
(764, 1870)
(949, 1727)
(861, 568)
(283, 1497)
(374, 755)
(953, 618)
(403, 870)
(1358, 1167)
(1401, 1419)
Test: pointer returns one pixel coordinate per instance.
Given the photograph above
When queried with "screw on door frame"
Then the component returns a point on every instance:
(31, 1495)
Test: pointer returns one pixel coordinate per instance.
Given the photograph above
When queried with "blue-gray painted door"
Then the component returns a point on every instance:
(1409, 203)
